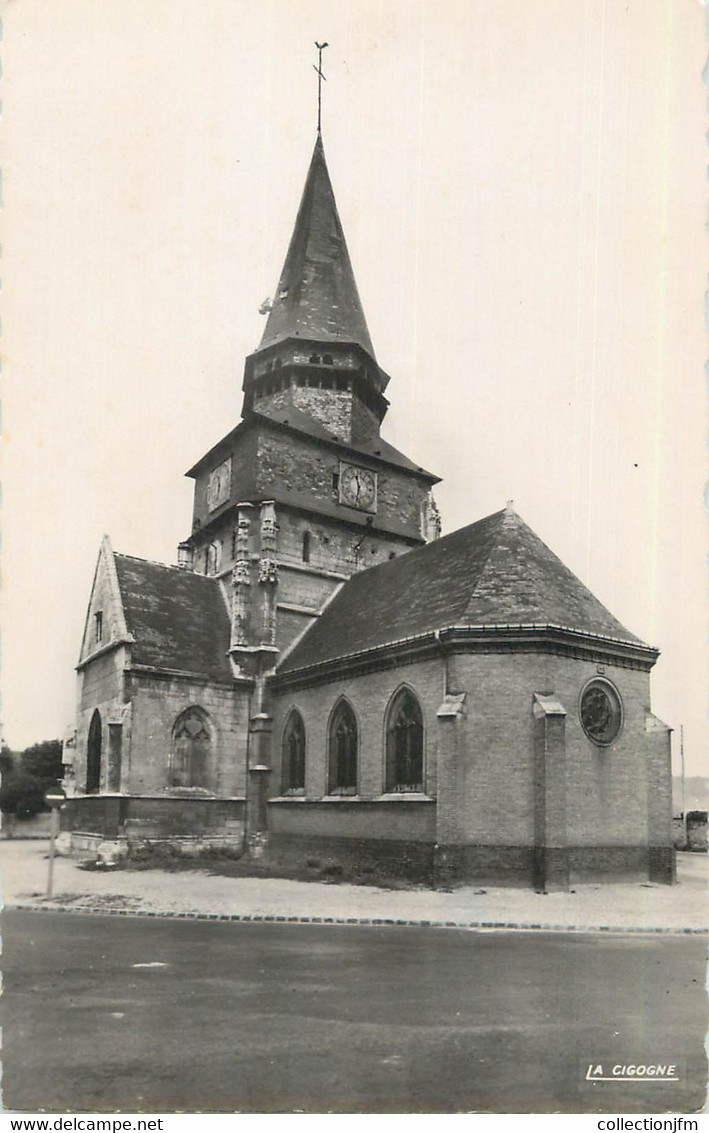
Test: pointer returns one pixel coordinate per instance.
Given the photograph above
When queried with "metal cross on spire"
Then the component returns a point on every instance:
(321, 47)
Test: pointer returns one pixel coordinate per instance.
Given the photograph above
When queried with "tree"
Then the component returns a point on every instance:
(7, 759)
(26, 777)
(44, 760)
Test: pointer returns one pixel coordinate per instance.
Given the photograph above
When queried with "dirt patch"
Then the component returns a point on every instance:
(220, 863)
(109, 901)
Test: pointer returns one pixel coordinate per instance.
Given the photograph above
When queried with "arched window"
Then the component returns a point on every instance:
(342, 751)
(306, 546)
(294, 753)
(191, 749)
(93, 755)
(404, 743)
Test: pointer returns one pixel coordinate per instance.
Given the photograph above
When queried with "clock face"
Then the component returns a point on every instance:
(219, 485)
(358, 487)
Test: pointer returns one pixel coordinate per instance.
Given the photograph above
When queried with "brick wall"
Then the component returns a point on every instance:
(606, 787)
(369, 696)
(486, 796)
(398, 820)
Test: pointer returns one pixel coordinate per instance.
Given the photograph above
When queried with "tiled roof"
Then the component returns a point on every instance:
(494, 572)
(317, 295)
(179, 619)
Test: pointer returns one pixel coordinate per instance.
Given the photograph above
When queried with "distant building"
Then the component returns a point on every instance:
(323, 675)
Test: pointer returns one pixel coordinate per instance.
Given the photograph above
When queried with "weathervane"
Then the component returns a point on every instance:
(321, 47)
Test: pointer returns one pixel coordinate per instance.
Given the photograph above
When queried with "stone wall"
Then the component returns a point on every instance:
(339, 411)
(301, 465)
(243, 454)
(157, 702)
(154, 818)
(100, 687)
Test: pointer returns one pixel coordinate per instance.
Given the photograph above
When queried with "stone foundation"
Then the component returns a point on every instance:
(183, 822)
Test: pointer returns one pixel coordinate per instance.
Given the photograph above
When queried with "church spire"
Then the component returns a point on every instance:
(317, 296)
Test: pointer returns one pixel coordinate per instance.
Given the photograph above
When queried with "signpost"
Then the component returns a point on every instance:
(54, 798)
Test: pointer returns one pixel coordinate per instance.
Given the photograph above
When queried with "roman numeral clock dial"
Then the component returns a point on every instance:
(358, 487)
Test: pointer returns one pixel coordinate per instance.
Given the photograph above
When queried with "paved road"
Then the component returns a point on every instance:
(268, 1017)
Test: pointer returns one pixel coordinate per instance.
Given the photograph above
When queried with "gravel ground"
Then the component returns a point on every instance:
(23, 866)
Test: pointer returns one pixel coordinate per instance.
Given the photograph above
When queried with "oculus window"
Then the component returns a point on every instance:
(601, 712)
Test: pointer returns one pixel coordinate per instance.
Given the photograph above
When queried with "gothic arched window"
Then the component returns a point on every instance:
(93, 755)
(294, 753)
(342, 751)
(404, 743)
(191, 749)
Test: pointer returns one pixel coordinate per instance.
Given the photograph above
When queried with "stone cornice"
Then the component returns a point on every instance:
(108, 647)
(185, 675)
(532, 637)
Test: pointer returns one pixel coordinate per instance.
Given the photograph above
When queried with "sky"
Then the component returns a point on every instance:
(523, 191)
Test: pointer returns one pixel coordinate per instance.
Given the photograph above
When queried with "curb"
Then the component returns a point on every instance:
(273, 918)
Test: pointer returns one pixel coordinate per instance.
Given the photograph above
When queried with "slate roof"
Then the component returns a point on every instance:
(179, 619)
(493, 572)
(299, 422)
(377, 448)
(317, 295)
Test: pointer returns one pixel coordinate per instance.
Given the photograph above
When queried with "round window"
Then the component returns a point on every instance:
(601, 712)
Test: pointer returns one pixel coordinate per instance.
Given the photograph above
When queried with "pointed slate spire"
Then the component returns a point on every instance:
(317, 295)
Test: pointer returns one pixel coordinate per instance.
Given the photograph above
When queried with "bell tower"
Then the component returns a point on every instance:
(305, 492)
(316, 354)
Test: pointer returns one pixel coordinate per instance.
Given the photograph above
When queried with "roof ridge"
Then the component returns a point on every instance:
(165, 566)
(511, 520)
(493, 543)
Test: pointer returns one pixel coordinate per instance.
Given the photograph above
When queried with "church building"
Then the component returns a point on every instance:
(325, 679)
